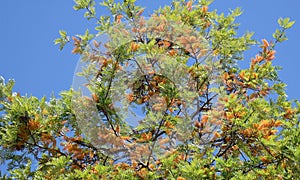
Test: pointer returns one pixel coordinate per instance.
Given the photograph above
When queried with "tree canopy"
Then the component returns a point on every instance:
(159, 97)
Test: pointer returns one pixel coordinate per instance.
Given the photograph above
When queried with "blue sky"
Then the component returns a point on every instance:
(29, 56)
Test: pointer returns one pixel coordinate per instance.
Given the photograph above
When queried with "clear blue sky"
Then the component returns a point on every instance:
(28, 29)
(29, 56)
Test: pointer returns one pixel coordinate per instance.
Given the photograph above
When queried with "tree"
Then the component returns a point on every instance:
(158, 98)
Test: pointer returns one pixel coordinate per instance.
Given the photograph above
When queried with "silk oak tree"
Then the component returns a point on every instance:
(158, 97)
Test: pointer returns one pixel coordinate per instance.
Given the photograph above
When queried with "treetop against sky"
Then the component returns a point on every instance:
(160, 96)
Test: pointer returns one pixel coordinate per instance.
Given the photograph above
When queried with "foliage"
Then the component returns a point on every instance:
(242, 125)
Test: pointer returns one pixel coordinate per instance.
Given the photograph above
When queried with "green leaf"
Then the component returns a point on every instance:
(280, 22)
(63, 33)
(2, 81)
(285, 23)
(290, 24)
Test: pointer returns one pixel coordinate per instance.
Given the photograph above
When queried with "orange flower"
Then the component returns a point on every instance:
(118, 18)
(242, 75)
(168, 124)
(76, 41)
(265, 42)
(33, 125)
(289, 113)
(118, 128)
(263, 92)
(95, 98)
(273, 132)
(264, 159)
(140, 12)
(248, 132)
(125, 137)
(216, 135)
(76, 50)
(189, 5)
(235, 147)
(264, 124)
(229, 115)
(227, 138)
(139, 101)
(151, 166)
(204, 9)
(172, 52)
(96, 44)
(181, 178)
(270, 55)
(259, 58)
(197, 124)
(134, 47)
(278, 123)
(204, 119)
(134, 163)
(130, 97)
(145, 137)
(254, 75)
(142, 173)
